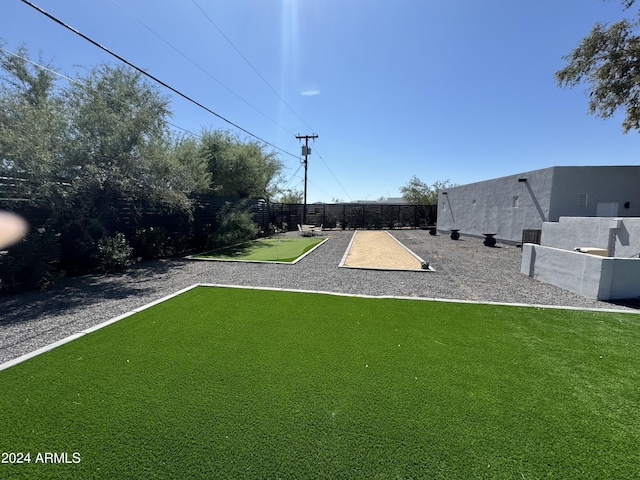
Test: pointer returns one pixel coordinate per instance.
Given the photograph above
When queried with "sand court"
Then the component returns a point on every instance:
(379, 250)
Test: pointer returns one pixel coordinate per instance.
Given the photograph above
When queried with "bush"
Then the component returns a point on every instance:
(235, 226)
(115, 253)
(153, 242)
(32, 263)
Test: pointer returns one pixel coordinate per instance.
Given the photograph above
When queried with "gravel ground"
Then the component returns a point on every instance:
(465, 270)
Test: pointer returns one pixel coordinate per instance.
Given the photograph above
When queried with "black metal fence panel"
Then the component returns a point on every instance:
(286, 216)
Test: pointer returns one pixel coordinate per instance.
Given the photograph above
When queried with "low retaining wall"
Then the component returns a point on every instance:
(620, 236)
(600, 278)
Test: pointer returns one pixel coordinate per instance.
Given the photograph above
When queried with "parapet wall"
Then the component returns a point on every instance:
(592, 276)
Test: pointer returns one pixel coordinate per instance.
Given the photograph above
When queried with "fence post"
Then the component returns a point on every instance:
(344, 216)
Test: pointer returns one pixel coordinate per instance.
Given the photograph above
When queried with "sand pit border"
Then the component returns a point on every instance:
(402, 250)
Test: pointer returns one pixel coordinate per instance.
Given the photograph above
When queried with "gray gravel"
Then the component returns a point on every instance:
(465, 270)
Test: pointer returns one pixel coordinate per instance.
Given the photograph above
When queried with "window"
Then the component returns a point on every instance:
(582, 199)
(516, 202)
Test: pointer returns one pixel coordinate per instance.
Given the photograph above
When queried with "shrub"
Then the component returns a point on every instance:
(153, 242)
(115, 253)
(32, 263)
(235, 226)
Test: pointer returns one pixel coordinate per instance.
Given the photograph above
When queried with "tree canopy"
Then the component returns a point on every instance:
(291, 196)
(417, 192)
(240, 168)
(608, 60)
(81, 148)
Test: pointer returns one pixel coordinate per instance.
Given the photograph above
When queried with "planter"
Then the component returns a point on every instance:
(489, 241)
(454, 234)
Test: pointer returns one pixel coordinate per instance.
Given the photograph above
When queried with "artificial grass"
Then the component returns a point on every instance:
(284, 249)
(235, 383)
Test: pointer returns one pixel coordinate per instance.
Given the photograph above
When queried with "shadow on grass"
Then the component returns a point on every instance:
(265, 250)
(78, 293)
(235, 250)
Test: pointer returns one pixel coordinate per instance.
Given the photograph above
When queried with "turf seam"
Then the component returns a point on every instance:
(427, 299)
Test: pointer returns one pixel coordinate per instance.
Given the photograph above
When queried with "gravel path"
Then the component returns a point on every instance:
(465, 270)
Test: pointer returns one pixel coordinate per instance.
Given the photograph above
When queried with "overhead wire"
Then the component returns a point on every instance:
(250, 64)
(201, 68)
(77, 82)
(152, 77)
(334, 177)
(292, 177)
(257, 72)
(186, 97)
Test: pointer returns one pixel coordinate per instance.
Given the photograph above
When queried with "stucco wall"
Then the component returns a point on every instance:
(600, 184)
(591, 276)
(620, 236)
(504, 206)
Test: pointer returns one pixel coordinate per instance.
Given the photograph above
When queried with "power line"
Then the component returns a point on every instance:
(250, 64)
(334, 177)
(292, 177)
(306, 151)
(155, 79)
(72, 80)
(201, 68)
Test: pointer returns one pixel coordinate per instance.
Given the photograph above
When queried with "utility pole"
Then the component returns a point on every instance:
(306, 151)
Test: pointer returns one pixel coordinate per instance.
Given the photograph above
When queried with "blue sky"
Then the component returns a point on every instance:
(456, 89)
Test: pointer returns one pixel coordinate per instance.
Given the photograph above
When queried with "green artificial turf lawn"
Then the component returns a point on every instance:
(239, 383)
(266, 250)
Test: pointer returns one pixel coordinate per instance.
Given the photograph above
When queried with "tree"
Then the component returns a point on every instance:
(78, 153)
(608, 60)
(291, 196)
(32, 129)
(240, 168)
(417, 192)
(120, 152)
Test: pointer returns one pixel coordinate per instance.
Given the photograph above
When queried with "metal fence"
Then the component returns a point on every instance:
(375, 216)
(127, 216)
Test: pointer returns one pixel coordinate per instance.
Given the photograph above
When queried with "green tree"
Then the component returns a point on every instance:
(32, 130)
(608, 60)
(80, 151)
(190, 166)
(240, 168)
(119, 150)
(119, 139)
(417, 192)
(291, 196)
(235, 225)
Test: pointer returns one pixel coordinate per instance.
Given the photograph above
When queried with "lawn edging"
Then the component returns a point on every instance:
(70, 338)
(195, 257)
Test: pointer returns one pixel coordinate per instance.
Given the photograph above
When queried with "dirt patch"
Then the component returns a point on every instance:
(376, 249)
